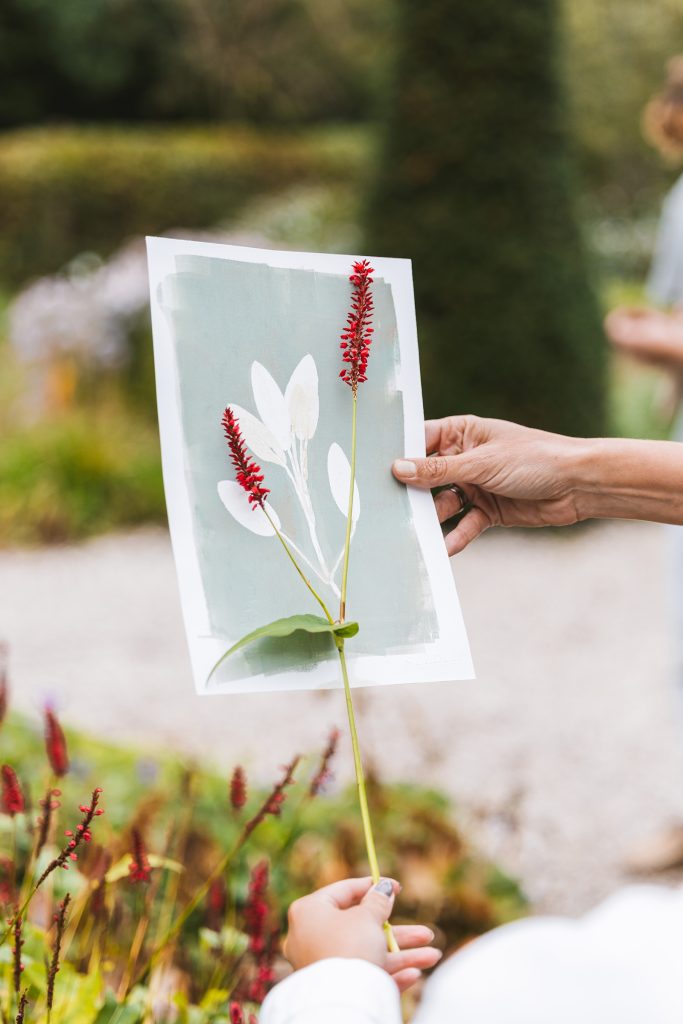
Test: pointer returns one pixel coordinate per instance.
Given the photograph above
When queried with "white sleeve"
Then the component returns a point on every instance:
(665, 282)
(334, 991)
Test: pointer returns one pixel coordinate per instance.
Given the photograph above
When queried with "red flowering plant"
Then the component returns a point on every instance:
(148, 913)
(356, 339)
(166, 903)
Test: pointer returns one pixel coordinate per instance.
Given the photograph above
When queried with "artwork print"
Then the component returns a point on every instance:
(250, 339)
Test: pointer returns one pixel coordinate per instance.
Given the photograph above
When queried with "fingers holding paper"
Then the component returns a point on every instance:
(504, 475)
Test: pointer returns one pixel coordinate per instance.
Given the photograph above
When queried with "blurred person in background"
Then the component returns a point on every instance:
(654, 335)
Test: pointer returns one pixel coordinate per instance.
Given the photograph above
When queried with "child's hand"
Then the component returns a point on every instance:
(346, 919)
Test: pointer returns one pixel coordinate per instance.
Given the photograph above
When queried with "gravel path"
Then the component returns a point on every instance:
(561, 754)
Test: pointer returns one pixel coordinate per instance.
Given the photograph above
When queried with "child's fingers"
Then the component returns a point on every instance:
(407, 959)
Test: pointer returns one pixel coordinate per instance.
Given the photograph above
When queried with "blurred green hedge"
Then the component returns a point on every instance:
(67, 190)
(81, 474)
(476, 187)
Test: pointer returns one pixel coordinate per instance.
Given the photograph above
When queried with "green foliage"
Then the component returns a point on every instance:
(289, 625)
(78, 474)
(77, 58)
(65, 191)
(475, 187)
(188, 825)
(616, 56)
(275, 60)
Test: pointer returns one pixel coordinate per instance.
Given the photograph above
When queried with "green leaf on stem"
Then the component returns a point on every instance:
(287, 626)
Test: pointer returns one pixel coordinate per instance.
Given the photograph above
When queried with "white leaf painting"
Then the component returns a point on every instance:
(339, 473)
(258, 437)
(271, 405)
(282, 436)
(237, 503)
(301, 397)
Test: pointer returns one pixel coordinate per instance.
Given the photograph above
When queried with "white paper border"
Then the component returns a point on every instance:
(446, 659)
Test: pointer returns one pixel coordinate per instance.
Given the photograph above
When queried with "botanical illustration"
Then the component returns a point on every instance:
(281, 438)
(255, 342)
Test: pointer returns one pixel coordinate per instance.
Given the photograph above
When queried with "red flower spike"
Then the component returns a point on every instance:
(357, 333)
(216, 905)
(12, 796)
(247, 472)
(60, 920)
(260, 938)
(324, 772)
(258, 989)
(7, 882)
(140, 869)
(256, 908)
(238, 788)
(55, 745)
(236, 1015)
(17, 964)
(23, 1003)
(67, 852)
(275, 799)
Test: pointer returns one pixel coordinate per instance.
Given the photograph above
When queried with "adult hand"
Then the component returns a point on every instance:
(647, 334)
(511, 475)
(346, 919)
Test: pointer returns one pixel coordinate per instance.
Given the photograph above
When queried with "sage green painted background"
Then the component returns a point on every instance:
(225, 314)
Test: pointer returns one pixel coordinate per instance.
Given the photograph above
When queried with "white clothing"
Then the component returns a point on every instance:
(665, 283)
(665, 286)
(620, 964)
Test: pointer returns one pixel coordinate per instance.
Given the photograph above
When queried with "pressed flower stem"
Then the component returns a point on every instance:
(392, 945)
(362, 792)
(349, 514)
(358, 765)
(294, 562)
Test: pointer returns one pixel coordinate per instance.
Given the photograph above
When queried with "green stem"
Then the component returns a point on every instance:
(357, 760)
(358, 766)
(362, 792)
(296, 565)
(180, 920)
(349, 515)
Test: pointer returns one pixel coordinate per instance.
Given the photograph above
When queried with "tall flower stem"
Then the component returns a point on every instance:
(357, 760)
(349, 515)
(371, 850)
(358, 766)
